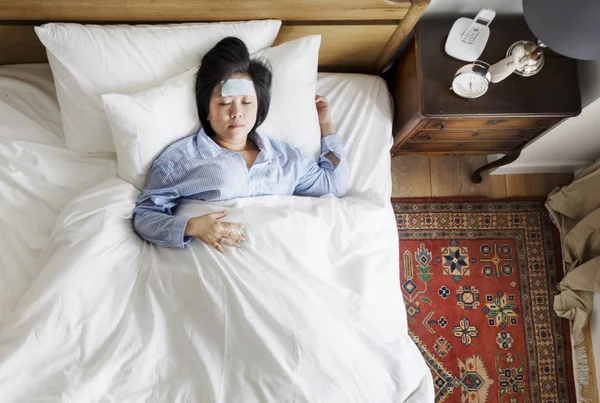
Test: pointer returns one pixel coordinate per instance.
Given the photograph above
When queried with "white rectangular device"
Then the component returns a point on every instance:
(468, 38)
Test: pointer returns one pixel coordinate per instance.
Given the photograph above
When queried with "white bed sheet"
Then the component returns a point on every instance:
(29, 109)
(361, 108)
(96, 282)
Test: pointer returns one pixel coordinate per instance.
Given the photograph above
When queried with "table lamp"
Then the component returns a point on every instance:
(568, 27)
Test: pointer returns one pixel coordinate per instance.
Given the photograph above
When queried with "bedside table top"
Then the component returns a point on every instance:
(552, 91)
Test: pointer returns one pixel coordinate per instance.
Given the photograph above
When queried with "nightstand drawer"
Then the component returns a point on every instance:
(480, 147)
(491, 124)
(475, 135)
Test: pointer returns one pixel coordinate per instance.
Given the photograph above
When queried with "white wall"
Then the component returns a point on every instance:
(469, 8)
(573, 144)
(570, 146)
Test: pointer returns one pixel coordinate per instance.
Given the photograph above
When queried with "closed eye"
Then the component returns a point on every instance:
(224, 103)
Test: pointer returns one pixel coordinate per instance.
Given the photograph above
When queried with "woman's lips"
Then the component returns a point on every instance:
(236, 125)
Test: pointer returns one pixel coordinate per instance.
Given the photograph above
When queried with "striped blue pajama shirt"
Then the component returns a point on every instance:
(197, 168)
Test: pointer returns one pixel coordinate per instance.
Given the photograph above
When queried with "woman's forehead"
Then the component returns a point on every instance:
(237, 84)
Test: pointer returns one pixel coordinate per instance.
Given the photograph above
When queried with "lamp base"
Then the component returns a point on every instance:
(533, 61)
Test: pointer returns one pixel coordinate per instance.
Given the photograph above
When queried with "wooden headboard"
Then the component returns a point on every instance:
(358, 35)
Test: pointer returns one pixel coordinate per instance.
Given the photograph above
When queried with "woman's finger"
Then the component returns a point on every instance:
(218, 247)
(218, 215)
(230, 242)
(231, 230)
(234, 225)
(236, 236)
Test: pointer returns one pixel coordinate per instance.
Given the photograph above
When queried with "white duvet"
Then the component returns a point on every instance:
(308, 310)
(286, 318)
(38, 177)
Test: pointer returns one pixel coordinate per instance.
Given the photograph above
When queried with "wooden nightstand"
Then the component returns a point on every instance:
(431, 120)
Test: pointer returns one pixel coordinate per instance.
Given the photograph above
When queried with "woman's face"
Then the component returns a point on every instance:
(232, 117)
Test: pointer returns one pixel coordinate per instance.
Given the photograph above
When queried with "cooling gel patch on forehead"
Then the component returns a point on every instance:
(237, 86)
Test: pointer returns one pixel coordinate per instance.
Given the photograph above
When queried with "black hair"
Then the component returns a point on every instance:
(228, 57)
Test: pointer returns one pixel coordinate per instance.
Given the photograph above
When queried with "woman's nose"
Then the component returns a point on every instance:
(236, 114)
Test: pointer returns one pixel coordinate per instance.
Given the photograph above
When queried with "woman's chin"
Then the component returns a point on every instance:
(238, 130)
(237, 134)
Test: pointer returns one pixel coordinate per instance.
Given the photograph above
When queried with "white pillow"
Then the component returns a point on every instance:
(90, 60)
(145, 123)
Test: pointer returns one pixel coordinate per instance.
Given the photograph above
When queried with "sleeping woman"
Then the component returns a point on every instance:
(229, 158)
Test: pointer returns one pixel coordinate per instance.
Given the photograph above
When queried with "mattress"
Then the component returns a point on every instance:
(90, 311)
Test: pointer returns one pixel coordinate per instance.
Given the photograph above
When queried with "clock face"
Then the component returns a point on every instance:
(469, 85)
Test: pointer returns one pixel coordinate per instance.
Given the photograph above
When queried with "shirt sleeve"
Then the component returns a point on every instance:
(320, 178)
(153, 218)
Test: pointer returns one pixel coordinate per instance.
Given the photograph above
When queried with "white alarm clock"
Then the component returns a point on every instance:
(471, 80)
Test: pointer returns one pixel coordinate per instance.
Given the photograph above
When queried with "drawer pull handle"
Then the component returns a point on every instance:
(429, 137)
(493, 122)
(475, 134)
(442, 126)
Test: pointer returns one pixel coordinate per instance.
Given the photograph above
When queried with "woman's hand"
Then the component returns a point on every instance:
(325, 122)
(215, 233)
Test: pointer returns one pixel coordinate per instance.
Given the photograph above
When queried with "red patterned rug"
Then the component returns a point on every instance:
(478, 279)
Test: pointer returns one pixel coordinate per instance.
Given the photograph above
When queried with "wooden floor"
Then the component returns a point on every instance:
(416, 176)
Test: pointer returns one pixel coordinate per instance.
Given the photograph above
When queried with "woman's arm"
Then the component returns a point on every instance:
(153, 218)
(326, 125)
(154, 221)
(331, 174)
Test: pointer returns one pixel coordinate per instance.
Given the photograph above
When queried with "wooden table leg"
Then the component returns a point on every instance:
(507, 159)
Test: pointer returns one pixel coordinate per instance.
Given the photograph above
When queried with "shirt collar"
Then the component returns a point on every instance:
(208, 149)
(265, 145)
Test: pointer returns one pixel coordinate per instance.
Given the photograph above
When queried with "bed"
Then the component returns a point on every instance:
(90, 312)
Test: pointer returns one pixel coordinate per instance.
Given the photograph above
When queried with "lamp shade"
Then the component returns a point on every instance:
(569, 27)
